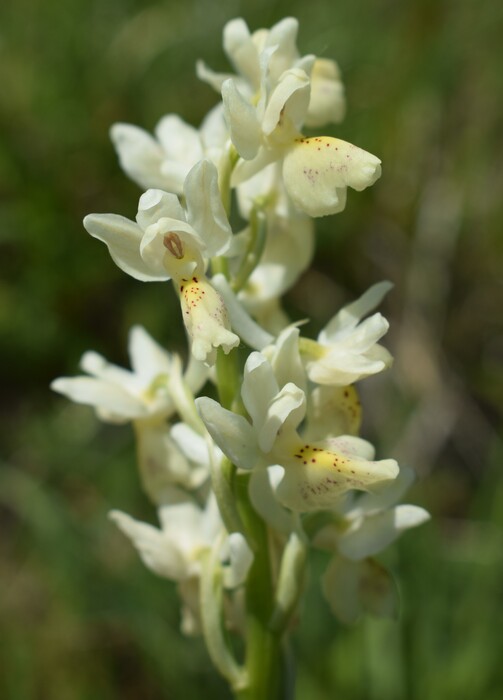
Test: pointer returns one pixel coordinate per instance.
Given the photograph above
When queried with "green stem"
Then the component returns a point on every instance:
(228, 379)
(263, 648)
(258, 235)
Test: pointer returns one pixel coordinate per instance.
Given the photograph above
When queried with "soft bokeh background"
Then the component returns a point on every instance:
(80, 617)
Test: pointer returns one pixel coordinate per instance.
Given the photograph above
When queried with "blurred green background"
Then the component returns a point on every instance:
(79, 615)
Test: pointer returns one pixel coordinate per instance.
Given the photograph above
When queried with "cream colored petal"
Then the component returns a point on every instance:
(375, 532)
(213, 131)
(259, 387)
(215, 80)
(123, 238)
(284, 413)
(341, 366)
(242, 121)
(232, 433)
(161, 463)
(148, 358)
(241, 50)
(157, 204)
(349, 316)
(289, 101)
(283, 36)
(107, 397)
(327, 103)
(180, 141)
(95, 364)
(140, 156)
(245, 169)
(315, 170)
(155, 551)
(205, 210)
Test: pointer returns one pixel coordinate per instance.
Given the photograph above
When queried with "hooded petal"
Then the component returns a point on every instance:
(157, 204)
(287, 104)
(259, 387)
(284, 357)
(284, 412)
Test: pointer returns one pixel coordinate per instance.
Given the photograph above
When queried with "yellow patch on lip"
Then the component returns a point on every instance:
(316, 477)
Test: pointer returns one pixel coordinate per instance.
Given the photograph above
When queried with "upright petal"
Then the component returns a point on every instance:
(242, 52)
(349, 316)
(206, 213)
(180, 141)
(259, 387)
(283, 36)
(242, 121)
(148, 358)
(140, 156)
